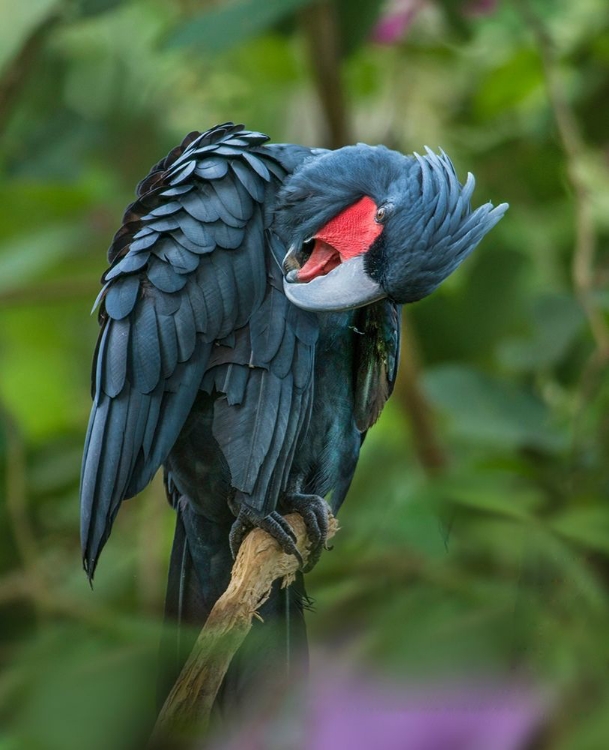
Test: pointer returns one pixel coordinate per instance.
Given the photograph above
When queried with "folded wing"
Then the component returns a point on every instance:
(188, 269)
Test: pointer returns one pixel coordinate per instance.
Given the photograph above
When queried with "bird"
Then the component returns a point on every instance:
(249, 338)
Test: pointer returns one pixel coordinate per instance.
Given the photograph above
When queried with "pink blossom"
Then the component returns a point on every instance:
(395, 21)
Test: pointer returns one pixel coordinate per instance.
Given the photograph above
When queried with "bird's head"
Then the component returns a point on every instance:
(365, 223)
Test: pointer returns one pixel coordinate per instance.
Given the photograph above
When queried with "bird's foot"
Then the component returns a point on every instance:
(315, 514)
(274, 524)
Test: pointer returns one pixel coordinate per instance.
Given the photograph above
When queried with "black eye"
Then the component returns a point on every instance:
(381, 215)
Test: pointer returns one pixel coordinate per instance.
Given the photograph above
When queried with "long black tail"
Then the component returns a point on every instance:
(274, 652)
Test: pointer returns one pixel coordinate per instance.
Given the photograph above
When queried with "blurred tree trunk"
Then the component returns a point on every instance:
(18, 70)
(412, 399)
(322, 32)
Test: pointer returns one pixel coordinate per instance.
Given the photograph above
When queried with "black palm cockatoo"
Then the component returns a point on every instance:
(249, 338)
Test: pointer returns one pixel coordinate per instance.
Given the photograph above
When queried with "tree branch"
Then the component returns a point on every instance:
(259, 563)
(409, 393)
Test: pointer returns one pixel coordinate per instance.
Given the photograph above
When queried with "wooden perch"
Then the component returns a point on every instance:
(259, 563)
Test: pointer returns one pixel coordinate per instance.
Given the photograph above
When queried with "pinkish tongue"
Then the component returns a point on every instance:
(322, 260)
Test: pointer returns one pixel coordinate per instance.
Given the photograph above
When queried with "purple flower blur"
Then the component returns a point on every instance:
(354, 713)
(457, 718)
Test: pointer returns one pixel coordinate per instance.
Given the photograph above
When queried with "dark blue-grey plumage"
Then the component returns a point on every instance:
(251, 403)
(189, 267)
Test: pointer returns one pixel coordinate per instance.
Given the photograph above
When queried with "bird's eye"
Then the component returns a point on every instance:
(380, 215)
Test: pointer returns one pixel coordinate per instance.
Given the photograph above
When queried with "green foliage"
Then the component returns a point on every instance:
(16, 21)
(86, 8)
(556, 322)
(222, 28)
(490, 411)
(502, 559)
(509, 85)
(356, 19)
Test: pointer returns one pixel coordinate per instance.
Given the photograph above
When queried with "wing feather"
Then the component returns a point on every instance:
(115, 364)
(266, 378)
(144, 367)
(121, 297)
(188, 265)
(164, 276)
(254, 185)
(185, 330)
(244, 432)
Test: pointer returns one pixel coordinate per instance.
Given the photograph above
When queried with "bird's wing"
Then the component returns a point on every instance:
(377, 345)
(189, 267)
(266, 374)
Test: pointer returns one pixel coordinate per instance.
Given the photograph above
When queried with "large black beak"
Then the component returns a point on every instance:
(346, 287)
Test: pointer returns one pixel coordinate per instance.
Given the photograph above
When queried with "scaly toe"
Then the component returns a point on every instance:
(275, 525)
(280, 520)
(314, 511)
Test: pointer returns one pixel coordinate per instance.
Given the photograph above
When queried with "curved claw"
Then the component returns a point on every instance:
(238, 532)
(314, 512)
(279, 520)
(274, 524)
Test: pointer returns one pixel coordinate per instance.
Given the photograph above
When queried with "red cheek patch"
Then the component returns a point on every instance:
(350, 233)
(354, 230)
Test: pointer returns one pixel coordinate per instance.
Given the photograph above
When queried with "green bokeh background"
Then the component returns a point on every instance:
(499, 430)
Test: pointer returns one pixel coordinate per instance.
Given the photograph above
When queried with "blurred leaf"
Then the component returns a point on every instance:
(9, 742)
(91, 88)
(222, 28)
(508, 85)
(599, 47)
(51, 201)
(28, 257)
(457, 18)
(601, 298)
(102, 682)
(587, 526)
(33, 351)
(556, 320)
(487, 410)
(579, 580)
(55, 467)
(18, 20)
(503, 494)
(467, 322)
(86, 8)
(271, 59)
